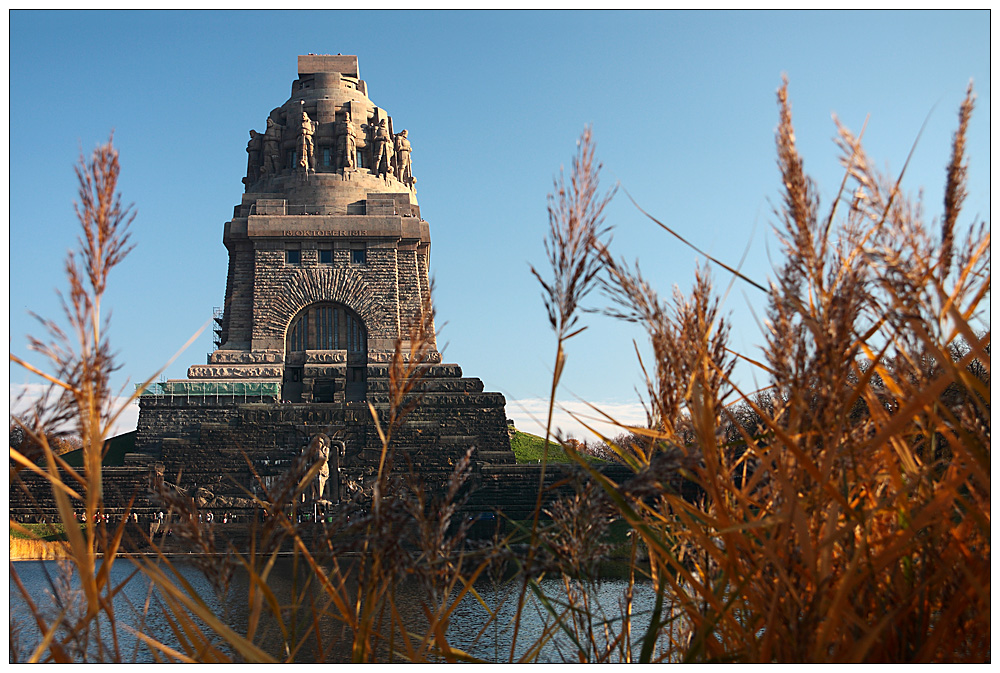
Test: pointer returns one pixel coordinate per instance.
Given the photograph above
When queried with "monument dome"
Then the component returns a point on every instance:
(328, 144)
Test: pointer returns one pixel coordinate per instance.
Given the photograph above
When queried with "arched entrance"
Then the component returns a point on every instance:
(325, 326)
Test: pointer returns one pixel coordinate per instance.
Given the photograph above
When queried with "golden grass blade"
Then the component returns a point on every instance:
(695, 248)
(38, 372)
(113, 418)
(160, 647)
(58, 484)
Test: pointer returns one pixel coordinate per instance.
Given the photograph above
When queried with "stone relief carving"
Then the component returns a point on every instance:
(404, 170)
(254, 147)
(311, 285)
(271, 154)
(307, 128)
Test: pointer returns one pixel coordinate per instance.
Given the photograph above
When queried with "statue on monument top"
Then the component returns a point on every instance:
(272, 148)
(350, 158)
(383, 150)
(404, 169)
(253, 158)
(307, 128)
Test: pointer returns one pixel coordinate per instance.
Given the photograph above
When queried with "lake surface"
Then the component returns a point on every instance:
(469, 628)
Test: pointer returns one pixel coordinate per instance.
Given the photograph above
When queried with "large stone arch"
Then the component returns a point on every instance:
(310, 286)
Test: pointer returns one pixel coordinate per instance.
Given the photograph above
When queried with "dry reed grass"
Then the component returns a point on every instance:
(850, 519)
(842, 514)
(37, 550)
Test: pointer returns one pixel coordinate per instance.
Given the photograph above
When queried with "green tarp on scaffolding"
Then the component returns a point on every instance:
(213, 388)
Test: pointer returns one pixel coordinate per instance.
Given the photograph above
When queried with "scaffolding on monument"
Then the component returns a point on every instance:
(217, 389)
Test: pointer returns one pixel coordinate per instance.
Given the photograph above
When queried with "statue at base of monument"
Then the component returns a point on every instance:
(328, 453)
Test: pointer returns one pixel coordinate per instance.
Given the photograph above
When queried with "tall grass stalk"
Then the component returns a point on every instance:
(79, 366)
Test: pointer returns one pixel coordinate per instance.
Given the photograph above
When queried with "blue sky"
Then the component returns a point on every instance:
(682, 106)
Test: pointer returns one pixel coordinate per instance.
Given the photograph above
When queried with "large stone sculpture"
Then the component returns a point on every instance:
(350, 134)
(383, 150)
(329, 454)
(307, 128)
(319, 447)
(272, 148)
(404, 170)
(253, 158)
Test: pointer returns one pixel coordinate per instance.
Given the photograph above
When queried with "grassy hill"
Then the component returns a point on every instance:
(528, 448)
(115, 449)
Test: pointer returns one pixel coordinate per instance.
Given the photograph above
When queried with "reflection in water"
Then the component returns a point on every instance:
(470, 628)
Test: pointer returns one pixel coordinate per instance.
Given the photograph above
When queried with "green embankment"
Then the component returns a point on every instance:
(528, 448)
(48, 532)
(115, 449)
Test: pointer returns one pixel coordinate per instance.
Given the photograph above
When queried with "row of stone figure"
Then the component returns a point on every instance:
(390, 153)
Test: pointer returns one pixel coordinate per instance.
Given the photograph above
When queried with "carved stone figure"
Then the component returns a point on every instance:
(272, 148)
(350, 159)
(254, 146)
(307, 128)
(321, 445)
(404, 170)
(383, 150)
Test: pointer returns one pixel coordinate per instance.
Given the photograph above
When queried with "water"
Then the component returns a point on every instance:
(137, 606)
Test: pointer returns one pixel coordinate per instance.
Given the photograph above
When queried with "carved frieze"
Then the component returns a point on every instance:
(245, 357)
(323, 372)
(326, 357)
(385, 357)
(235, 372)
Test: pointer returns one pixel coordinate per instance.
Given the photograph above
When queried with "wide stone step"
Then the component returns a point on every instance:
(497, 457)
(138, 460)
(457, 440)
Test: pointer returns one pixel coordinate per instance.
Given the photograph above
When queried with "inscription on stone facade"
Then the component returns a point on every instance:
(324, 232)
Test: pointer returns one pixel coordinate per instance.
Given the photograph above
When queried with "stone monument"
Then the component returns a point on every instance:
(328, 270)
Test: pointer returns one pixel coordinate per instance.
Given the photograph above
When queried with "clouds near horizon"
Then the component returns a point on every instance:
(24, 396)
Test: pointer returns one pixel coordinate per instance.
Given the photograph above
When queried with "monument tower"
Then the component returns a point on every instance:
(328, 270)
(328, 254)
